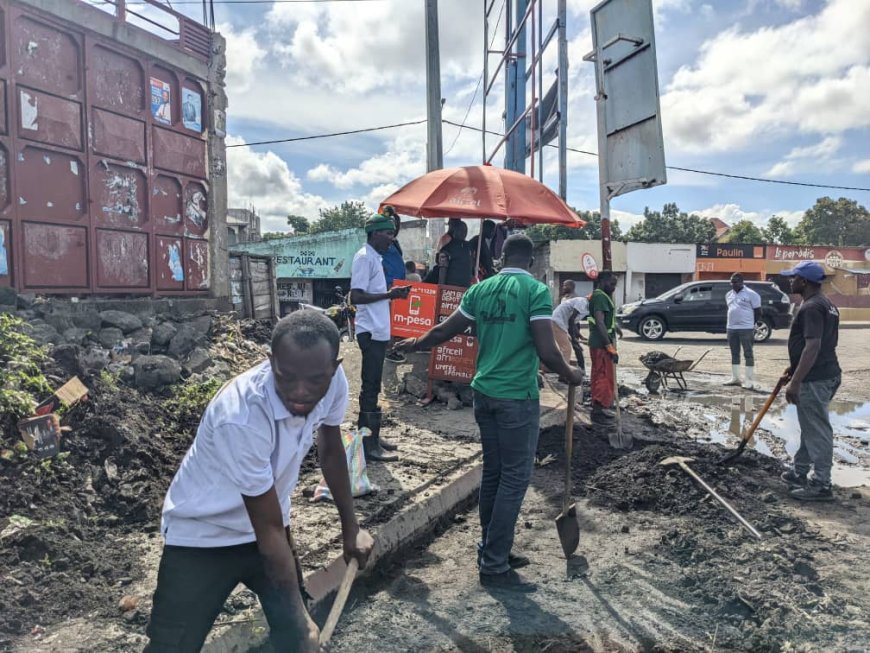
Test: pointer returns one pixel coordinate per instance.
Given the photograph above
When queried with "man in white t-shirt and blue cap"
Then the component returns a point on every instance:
(744, 310)
(226, 516)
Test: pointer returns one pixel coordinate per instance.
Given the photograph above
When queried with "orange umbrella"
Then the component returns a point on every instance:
(482, 192)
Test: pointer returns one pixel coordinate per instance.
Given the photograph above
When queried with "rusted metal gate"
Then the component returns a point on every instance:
(253, 288)
(103, 168)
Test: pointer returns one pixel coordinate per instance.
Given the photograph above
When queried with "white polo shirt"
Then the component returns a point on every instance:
(741, 308)
(367, 274)
(562, 312)
(247, 442)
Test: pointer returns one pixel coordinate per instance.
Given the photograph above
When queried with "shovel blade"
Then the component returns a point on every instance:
(568, 529)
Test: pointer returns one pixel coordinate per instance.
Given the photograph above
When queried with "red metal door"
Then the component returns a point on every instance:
(103, 167)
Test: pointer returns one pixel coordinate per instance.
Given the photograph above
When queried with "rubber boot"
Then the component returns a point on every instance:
(749, 383)
(735, 375)
(374, 452)
(387, 445)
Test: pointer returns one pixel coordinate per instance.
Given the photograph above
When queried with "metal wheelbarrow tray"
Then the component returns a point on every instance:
(663, 368)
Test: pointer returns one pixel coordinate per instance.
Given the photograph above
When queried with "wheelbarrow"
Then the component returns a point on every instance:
(664, 368)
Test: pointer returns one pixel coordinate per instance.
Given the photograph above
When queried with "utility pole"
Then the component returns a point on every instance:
(434, 143)
(434, 140)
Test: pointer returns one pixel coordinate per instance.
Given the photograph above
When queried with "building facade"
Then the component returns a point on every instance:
(309, 268)
(112, 157)
(243, 226)
(559, 260)
(655, 268)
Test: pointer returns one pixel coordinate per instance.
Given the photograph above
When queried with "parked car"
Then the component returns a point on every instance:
(700, 306)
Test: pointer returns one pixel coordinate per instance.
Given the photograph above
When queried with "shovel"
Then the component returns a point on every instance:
(338, 604)
(619, 439)
(566, 522)
(747, 435)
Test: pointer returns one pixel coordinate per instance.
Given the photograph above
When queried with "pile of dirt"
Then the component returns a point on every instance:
(763, 593)
(65, 521)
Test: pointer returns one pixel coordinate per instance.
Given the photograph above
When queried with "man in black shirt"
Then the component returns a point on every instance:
(814, 374)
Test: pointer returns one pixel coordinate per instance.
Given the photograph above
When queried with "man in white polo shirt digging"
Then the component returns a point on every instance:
(227, 512)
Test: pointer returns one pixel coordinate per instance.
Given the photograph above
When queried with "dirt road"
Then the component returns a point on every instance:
(660, 567)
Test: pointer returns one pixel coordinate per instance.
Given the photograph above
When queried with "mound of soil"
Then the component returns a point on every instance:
(72, 557)
(761, 592)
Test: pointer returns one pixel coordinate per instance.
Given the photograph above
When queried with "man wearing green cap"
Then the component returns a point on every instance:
(368, 291)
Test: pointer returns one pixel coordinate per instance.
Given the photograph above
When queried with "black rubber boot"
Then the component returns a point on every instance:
(386, 445)
(374, 452)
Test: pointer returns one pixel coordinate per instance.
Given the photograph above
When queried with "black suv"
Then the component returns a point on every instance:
(700, 306)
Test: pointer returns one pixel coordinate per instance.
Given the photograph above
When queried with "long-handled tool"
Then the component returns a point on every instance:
(681, 461)
(747, 435)
(340, 600)
(566, 522)
(619, 439)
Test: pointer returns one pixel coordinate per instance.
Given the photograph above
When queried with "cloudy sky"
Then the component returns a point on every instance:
(766, 88)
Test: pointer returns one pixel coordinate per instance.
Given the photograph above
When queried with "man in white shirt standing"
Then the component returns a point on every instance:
(227, 512)
(368, 292)
(744, 310)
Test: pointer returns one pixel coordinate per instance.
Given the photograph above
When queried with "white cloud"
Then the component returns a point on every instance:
(811, 74)
(734, 213)
(264, 180)
(861, 167)
(362, 47)
(801, 158)
(244, 56)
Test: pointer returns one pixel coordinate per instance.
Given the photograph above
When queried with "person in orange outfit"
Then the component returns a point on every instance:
(602, 345)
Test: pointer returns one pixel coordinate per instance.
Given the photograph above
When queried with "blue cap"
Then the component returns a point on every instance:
(809, 270)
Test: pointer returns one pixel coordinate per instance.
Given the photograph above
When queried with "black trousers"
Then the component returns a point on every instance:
(373, 354)
(192, 586)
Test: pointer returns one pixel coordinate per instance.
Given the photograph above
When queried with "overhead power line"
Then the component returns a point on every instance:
(699, 172)
(242, 2)
(331, 135)
(696, 171)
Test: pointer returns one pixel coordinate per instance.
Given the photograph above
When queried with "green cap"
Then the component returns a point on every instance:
(379, 222)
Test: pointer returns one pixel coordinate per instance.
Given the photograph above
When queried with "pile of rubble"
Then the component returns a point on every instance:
(151, 346)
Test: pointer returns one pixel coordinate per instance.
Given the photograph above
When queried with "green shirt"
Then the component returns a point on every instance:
(601, 301)
(503, 308)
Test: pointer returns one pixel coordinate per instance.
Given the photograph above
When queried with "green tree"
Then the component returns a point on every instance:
(671, 226)
(778, 232)
(347, 215)
(592, 230)
(745, 232)
(841, 223)
(299, 224)
(275, 235)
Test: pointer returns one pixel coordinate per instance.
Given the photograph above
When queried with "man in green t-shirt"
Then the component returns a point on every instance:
(511, 312)
(602, 345)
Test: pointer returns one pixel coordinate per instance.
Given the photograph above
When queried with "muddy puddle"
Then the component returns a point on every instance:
(729, 416)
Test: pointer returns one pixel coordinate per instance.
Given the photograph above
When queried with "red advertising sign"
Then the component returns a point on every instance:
(412, 317)
(836, 255)
(456, 359)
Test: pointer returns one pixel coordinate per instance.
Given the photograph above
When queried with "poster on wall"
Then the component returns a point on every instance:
(191, 109)
(4, 257)
(161, 101)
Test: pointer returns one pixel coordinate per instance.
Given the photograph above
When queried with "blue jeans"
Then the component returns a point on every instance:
(509, 436)
(817, 435)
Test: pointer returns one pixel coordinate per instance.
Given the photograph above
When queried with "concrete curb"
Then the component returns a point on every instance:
(402, 531)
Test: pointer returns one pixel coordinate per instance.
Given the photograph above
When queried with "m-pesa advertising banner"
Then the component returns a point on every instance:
(414, 316)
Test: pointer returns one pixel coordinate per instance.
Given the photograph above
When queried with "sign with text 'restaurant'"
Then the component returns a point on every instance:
(456, 359)
(414, 316)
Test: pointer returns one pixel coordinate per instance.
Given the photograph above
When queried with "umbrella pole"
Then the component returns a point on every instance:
(476, 270)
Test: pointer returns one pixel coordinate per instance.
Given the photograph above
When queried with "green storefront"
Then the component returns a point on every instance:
(308, 268)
